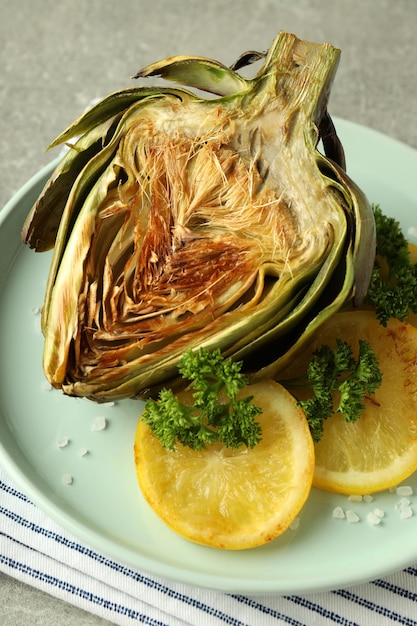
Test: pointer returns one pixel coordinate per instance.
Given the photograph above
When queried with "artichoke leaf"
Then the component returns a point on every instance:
(199, 72)
(60, 329)
(115, 104)
(41, 225)
(364, 237)
(332, 145)
(247, 58)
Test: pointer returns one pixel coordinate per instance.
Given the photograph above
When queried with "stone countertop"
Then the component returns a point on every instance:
(58, 56)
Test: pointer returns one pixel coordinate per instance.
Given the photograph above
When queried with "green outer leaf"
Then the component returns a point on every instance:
(61, 328)
(41, 225)
(198, 72)
(113, 104)
(363, 225)
(75, 204)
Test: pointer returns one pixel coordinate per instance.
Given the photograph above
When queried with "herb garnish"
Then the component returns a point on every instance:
(339, 383)
(230, 421)
(393, 288)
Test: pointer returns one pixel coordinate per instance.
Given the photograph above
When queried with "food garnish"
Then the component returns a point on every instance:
(393, 288)
(211, 411)
(335, 369)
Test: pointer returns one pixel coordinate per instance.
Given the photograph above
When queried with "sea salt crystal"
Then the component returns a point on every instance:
(375, 516)
(406, 512)
(99, 423)
(404, 508)
(405, 490)
(36, 310)
(373, 519)
(295, 524)
(338, 513)
(47, 386)
(67, 479)
(355, 498)
(62, 442)
(352, 517)
(401, 504)
(83, 451)
(367, 498)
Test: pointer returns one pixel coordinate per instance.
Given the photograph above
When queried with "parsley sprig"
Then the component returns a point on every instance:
(339, 383)
(393, 288)
(230, 421)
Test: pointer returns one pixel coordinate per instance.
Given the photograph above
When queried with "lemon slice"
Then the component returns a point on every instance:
(226, 498)
(379, 450)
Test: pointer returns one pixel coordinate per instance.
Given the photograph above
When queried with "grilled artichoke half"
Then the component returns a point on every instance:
(180, 221)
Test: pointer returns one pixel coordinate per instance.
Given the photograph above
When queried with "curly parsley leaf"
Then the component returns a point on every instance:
(229, 420)
(338, 382)
(393, 287)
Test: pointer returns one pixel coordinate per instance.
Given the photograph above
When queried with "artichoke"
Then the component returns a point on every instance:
(180, 220)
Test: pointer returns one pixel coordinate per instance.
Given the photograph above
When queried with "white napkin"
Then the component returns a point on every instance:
(35, 550)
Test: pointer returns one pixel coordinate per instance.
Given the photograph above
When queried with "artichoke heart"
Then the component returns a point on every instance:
(180, 220)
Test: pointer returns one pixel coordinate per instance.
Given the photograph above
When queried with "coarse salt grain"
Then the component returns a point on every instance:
(83, 451)
(373, 518)
(47, 386)
(405, 490)
(62, 442)
(406, 512)
(67, 479)
(99, 423)
(402, 503)
(355, 498)
(404, 508)
(352, 517)
(295, 524)
(368, 498)
(338, 513)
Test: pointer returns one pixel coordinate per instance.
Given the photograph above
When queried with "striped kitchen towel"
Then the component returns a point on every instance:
(37, 551)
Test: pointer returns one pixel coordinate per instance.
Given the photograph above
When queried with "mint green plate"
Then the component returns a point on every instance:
(103, 506)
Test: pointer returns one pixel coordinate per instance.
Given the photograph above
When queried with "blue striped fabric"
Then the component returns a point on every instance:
(35, 550)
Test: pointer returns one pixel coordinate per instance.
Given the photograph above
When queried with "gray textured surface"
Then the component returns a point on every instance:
(57, 56)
